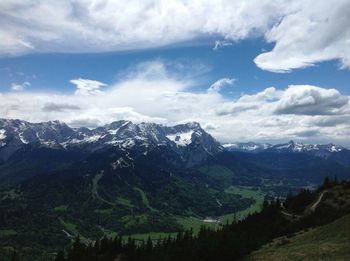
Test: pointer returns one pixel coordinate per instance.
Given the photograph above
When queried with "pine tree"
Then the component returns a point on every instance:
(77, 251)
(15, 256)
(60, 256)
(149, 244)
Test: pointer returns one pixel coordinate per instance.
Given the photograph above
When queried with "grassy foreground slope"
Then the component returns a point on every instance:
(328, 242)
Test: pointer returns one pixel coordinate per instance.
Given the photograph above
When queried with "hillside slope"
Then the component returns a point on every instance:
(328, 242)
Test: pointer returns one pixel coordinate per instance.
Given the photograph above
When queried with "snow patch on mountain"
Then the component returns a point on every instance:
(93, 138)
(335, 148)
(2, 134)
(113, 132)
(2, 137)
(181, 139)
(23, 139)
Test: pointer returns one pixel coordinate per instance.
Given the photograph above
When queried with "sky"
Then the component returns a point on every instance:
(265, 71)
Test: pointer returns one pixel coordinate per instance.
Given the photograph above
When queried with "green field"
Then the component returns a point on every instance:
(195, 223)
(95, 181)
(69, 226)
(72, 229)
(10, 194)
(7, 232)
(61, 208)
(245, 192)
(124, 201)
(106, 211)
(186, 222)
(144, 198)
(152, 235)
(217, 170)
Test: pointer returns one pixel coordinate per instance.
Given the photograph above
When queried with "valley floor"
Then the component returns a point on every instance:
(195, 223)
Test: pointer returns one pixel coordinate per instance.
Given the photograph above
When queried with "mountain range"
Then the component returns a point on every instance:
(330, 151)
(48, 146)
(189, 142)
(121, 135)
(289, 147)
(129, 178)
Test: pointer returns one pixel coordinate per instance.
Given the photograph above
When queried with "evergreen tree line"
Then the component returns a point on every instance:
(230, 242)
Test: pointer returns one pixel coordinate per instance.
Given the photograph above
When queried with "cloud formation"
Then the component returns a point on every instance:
(58, 107)
(219, 84)
(150, 93)
(19, 86)
(303, 32)
(87, 87)
(219, 44)
(314, 32)
(311, 100)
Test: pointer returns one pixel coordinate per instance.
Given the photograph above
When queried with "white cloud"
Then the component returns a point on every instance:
(219, 84)
(150, 93)
(98, 26)
(19, 86)
(52, 106)
(87, 87)
(219, 44)
(304, 32)
(311, 100)
(315, 32)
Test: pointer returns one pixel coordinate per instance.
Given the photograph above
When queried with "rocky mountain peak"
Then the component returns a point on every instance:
(183, 139)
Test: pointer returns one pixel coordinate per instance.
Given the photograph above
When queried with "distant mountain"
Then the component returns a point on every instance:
(317, 149)
(290, 146)
(326, 151)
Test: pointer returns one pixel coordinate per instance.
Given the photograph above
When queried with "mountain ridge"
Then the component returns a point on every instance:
(290, 146)
(68, 136)
(329, 151)
(121, 135)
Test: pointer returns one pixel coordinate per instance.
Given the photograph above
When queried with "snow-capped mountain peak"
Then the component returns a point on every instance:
(121, 135)
(326, 151)
(182, 138)
(292, 146)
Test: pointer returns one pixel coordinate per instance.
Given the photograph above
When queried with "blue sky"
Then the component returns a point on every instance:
(54, 71)
(256, 70)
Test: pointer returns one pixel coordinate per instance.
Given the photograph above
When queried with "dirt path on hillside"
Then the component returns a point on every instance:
(314, 206)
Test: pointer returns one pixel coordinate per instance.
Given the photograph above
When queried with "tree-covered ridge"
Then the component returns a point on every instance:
(232, 241)
(48, 211)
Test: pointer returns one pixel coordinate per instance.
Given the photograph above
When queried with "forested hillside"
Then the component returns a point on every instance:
(233, 241)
